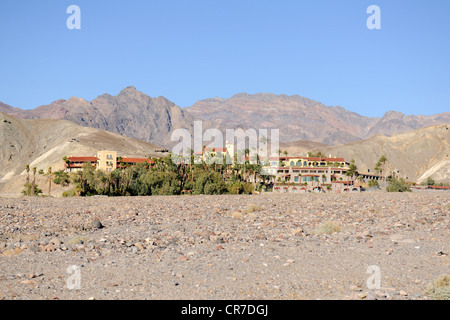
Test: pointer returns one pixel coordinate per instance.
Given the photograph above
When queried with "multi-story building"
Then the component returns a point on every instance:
(105, 160)
(307, 174)
(74, 164)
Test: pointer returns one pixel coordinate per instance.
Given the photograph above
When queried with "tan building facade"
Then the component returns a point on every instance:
(107, 160)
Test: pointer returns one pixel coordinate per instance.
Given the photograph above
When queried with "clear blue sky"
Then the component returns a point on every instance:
(192, 50)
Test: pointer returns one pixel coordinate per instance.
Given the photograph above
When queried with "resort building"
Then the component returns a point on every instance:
(74, 164)
(105, 160)
(313, 174)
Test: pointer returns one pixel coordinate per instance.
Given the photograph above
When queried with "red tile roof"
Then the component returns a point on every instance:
(82, 159)
(308, 159)
(326, 159)
(312, 168)
(135, 160)
(216, 149)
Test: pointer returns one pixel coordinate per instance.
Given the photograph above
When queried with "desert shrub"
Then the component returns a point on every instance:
(28, 190)
(439, 289)
(78, 239)
(234, 189)
(70, 193)
(252, 208)
(328, 228)
(247, 188)
(398, 185)
(373, 183)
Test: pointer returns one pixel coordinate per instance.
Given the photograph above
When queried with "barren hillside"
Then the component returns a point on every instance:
(300, 118)
(134, 114)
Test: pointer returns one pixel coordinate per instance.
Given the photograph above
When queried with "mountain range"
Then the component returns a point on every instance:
(134, 114)
(131, 113)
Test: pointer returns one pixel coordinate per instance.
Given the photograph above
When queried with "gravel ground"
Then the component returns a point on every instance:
(270, 246)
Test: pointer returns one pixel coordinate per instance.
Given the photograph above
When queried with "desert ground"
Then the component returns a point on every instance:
(370, 246)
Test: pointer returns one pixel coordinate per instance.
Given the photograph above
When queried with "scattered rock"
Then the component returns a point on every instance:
(48, 248)
(216, 239)
(355, 288)
(183, 258)
(297, 232)
(96, 224)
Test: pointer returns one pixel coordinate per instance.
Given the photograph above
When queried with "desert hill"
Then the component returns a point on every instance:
(300, 147)
(43, 143)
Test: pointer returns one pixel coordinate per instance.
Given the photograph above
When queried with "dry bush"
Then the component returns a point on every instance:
(237, 215)
(77, 240)
(328, 228)
(252, 208)
(439, 289)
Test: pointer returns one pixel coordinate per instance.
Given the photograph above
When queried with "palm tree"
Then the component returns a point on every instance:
(279, 152)
(360, 178)
(50, 180)
(383, 160)
(34, 181)
(352, 170)
(27, 168)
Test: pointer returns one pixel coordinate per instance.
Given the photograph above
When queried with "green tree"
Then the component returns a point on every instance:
(372, 183)
(210, 183)
(380, 167)
(352, 170)
(61, 178)
(398, 185)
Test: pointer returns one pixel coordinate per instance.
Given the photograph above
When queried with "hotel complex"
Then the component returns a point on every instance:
(286, 174)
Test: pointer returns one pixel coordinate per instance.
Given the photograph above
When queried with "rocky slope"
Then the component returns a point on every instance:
(299, 118)
(131, 113)
(43, 143)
